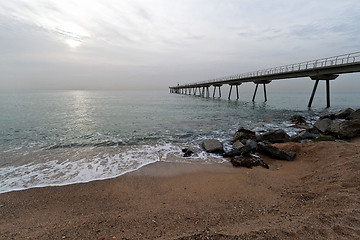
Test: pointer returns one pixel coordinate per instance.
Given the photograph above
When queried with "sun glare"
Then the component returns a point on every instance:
(73, 43)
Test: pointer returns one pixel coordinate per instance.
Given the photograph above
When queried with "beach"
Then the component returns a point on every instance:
(316, 196)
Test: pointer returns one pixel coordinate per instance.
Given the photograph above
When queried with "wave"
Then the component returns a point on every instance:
(81, 145)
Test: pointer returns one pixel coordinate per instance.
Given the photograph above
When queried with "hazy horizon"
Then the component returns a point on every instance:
(137, 44)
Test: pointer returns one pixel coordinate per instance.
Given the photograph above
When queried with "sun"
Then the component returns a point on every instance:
(73, 43)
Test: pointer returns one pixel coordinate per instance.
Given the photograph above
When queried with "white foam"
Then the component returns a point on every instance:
(99, 167)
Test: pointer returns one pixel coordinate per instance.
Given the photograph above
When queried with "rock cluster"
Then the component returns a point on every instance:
(344, 124)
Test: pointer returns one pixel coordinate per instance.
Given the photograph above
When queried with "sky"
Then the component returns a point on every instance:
(154, 44)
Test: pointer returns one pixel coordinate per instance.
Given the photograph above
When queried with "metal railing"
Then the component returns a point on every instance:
(309, 65)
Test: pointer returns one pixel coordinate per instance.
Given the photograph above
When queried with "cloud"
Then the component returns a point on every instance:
(166, 41)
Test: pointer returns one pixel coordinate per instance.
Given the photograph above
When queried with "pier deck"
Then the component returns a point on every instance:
(321, 69)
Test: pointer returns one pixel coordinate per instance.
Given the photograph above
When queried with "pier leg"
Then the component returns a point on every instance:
(237, 91)
(313, 93)
(265, 92)
(230, 91)
(207, 92)
(214, 92)
(327, 93)
(257, 85)
(195, 91)
(203, 92)
(219, 92)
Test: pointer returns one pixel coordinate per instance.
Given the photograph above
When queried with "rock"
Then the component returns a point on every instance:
(354, 115)
(187, 152)
(275, 136)
(306, 135)
(274, 152)
(242, 134)
(298, 120)
(345, 129)
(237, 145)
(323, 124)
(246, 150)
(251, 143)
(342, 114)
(248, 161)
(330, 116)
(213, 146)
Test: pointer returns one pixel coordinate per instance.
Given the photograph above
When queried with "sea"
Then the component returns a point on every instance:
(53, 138)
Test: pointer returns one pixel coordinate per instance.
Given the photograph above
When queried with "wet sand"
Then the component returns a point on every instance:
(317, 196)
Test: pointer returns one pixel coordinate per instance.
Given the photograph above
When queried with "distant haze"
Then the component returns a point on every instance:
(143, 44)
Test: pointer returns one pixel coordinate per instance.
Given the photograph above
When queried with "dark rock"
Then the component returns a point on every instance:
(242, 134)
(354, 115)
(252, 144)
(323, 124)
(187, 152)
(295, 138)
(213, 146)
(298, 120)
(248, 161)
(246, 150)
(314, 130)
(237, 145)
(306, 135)
(344, 113)
(330, 116)
(274, 152)
(275, 136)
(345, 129)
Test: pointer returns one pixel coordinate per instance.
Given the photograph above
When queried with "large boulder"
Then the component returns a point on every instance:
(323, 124)
(275, 136)
(213, 146)
(242, 134)
(354, 115)
(342, 114)
(345, 129)
(274, 152)
(248, 161)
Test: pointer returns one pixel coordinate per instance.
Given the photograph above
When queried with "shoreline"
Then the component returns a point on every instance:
(315, 195)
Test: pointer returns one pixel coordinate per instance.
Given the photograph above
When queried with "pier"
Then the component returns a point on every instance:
(324, 69)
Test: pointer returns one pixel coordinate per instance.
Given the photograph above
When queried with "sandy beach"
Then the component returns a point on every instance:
(317, 196)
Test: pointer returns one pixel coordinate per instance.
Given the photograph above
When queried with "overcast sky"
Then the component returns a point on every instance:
(130, 44)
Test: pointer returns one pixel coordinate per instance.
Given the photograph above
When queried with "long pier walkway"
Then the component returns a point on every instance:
(321, 69)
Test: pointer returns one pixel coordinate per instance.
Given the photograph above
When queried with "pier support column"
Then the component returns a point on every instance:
(237, 91)
(264, 82)
(207, 92)
(257, 85)
(230, 91)
(327, 78)
(313, 93)
(265, 92)
(217, 86)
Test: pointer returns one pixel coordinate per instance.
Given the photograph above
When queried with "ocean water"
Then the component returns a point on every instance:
(64, 137)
